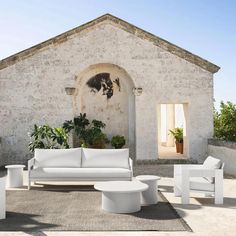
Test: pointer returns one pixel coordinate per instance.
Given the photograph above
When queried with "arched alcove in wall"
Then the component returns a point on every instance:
(104, 92)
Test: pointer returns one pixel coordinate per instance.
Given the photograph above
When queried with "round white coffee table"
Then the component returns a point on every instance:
(150, 195)
(14, 175)
(121, 196)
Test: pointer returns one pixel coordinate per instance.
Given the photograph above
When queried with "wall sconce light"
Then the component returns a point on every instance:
(70, 90)
(137, 91)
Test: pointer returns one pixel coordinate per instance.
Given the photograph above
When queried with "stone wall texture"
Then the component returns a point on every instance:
(32, 91)
(226, 152)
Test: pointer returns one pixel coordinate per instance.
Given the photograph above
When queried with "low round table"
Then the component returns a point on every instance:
(150, 195)
(14, 175)
(121, 196)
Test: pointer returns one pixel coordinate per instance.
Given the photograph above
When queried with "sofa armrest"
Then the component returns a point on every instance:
(178, 168)
(30, 166)
(31, 163)
(188, 166)
(131, 165)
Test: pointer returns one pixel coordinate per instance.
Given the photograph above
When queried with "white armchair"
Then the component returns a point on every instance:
(206, 178)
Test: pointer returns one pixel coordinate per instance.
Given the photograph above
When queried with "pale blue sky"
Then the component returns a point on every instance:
(204, 27)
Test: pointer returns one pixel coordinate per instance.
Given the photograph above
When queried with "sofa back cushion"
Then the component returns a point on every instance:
(58, 157)
(105, 158)
(212, 163)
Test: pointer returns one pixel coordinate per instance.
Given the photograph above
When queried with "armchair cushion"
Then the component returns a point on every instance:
(200, 183)
(211, 163)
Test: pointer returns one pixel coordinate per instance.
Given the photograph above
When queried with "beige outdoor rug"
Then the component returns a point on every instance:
(80, 210)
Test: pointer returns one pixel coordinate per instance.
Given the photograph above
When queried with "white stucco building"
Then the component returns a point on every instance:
(137, 72)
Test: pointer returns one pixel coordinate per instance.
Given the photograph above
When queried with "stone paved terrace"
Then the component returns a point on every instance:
(202, 215)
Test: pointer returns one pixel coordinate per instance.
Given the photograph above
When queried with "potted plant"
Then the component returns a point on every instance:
(95, 138)
(118, 141)
(88, 134)
(179, 140)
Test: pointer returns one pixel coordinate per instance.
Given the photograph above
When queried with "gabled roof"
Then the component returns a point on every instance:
(180, 52)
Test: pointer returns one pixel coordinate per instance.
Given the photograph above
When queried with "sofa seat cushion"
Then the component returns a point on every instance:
(86, 173)
(58, 157)
(105, 158)
(200, 183)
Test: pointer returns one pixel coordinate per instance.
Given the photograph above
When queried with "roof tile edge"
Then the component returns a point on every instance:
(164, 44)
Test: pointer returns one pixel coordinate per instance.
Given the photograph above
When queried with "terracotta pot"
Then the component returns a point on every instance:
(179, 148)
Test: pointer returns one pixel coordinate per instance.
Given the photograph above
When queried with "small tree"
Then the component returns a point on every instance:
(225, 122)
(46, 137)
(89, 134)
(118, 141)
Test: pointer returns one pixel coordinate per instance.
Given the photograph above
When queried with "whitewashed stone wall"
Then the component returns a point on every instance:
(226, 152)
(32, 91)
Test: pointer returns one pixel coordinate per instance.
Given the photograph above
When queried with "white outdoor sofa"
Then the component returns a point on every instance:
(80, 164)
(206, 178)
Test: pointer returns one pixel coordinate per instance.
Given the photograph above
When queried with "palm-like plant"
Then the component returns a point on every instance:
(60, 136)
(178, 134)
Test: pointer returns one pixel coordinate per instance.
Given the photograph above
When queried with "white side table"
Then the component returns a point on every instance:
(14, 176)
(2, 198)
(121, 196)
(150, 195)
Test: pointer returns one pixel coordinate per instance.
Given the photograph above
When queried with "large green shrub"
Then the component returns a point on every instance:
(225, 122)
(118, 141)
(89, 134)
(46, 137)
